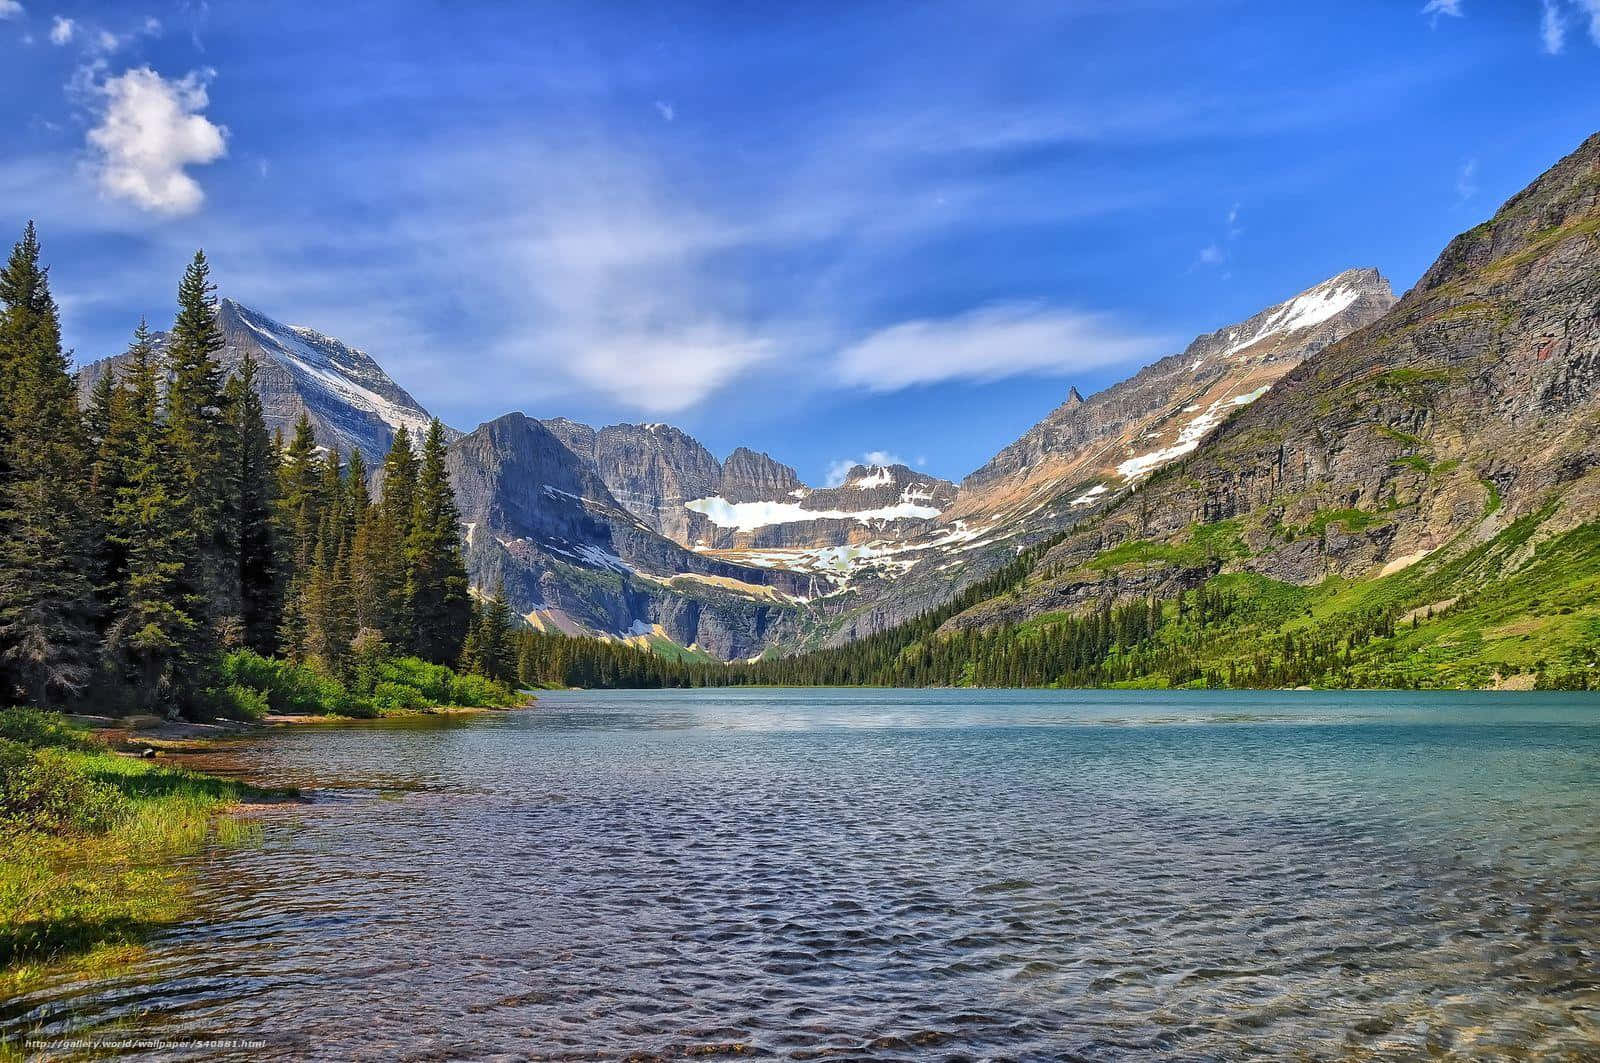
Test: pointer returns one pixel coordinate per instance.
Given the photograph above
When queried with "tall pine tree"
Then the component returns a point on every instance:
(200, 429)
(254, 477)
(441, 608)
(46, 591)
(391, 534)
(299, 513)
(151, 641)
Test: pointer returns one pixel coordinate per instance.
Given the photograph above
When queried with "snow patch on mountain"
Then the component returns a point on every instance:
(747, 516)
(344, 373)
(1189, 436)
(878, 476)
(1304, 311)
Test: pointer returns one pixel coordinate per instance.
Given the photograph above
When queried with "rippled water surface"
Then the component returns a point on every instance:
(902, 874)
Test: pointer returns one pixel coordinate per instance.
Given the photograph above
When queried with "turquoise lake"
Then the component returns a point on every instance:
(900, 874)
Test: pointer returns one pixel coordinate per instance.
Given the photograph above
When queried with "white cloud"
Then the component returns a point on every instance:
(150, 130)
(1467, 180)
(839, 468)
(989, 343)
(1553, 28)
(668, 371)
(61, 30)
(10, 9)
(1592, 9)
(1436, 8)
(1556, 16)
(1211, 254)
(667, 110)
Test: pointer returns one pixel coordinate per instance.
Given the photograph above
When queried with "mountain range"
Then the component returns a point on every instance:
(1340, 434)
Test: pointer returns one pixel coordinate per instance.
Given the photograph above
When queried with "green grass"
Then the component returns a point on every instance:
(1219, 541)
(1493, 502)
(1543, 243)
(1541, 619)
(1406, 377)
(1351, 520)
(88, 840)
(1398, 436)
(672, 651)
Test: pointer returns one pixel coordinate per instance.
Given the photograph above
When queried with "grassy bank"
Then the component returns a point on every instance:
(88, 839)
(254, 687)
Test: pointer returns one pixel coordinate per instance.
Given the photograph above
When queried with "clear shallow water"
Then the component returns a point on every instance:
(903, 874)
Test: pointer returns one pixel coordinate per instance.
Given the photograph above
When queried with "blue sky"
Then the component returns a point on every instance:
(821, 230)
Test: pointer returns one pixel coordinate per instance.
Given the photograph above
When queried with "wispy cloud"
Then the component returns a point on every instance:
(1436, 8)
(1557, 15)
(61, 31)
(150, 130)
(10, 9)
(1467, 180)
(1553, 27)
(1216, 252)
(990, 343)
(666, 110)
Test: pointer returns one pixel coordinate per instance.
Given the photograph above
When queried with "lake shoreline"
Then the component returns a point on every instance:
(85, 902)
(82, 896)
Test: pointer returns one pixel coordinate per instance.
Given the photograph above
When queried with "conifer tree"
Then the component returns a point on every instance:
(299, 515)
(496, 651)
(111, 427)
(390, 536)
(366, 564)
(151, 638)
(441, 608)
(199, 429)
(255, 477)
(46, 592)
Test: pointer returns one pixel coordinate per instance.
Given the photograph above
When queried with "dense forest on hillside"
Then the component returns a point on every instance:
(162, 553)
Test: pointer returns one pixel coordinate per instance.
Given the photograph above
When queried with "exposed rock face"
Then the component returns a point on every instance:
(1164, 410)
(351, 401)
(1088, 453)
(541, 518)
(1471, 404)
(751, 477)
(751, 502)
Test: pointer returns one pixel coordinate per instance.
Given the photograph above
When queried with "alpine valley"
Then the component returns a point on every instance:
(1345, 486)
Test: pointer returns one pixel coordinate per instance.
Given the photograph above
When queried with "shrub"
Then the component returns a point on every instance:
(239, 702)
(49, 791)
(476, 691)
(293, 689)
(39, 730)
(431, 681)
(390, 697)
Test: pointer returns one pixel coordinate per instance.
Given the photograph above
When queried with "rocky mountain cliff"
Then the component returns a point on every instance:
(351, 401)
(1090, 449)
(1434, 451)
(572, 557)
(1090, 452)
